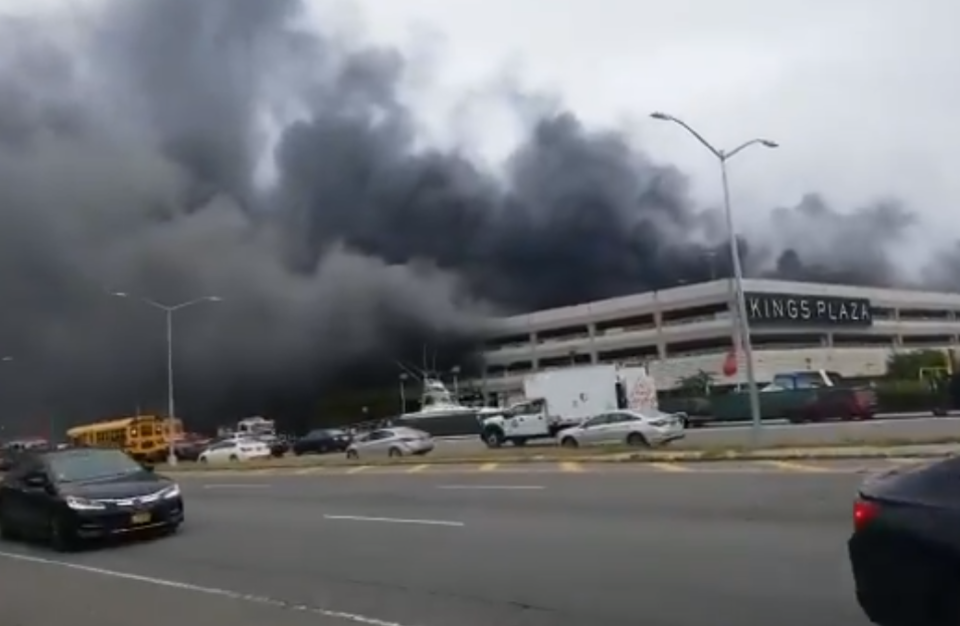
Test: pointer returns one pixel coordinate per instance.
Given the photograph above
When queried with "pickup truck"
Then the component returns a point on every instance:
(799, 397)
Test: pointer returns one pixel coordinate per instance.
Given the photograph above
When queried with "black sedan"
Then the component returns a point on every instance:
(905, 547)
(321, 441)
(67, 496)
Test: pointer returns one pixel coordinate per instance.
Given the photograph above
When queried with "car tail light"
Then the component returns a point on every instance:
(864, 512)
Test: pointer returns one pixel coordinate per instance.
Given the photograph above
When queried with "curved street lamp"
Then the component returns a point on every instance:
(744, 325)
(169, 310)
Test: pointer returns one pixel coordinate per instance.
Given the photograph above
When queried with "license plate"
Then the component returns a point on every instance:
(140, 518)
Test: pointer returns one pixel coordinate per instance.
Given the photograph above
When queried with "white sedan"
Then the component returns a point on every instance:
(235, 450)
(634, 428)
(391, 442)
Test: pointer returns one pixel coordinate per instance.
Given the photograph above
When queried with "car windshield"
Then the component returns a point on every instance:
(86, 465)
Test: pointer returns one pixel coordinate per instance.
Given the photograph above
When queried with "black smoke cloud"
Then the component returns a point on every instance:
(128, 147)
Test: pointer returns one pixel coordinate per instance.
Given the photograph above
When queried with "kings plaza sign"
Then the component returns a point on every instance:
(796, 310)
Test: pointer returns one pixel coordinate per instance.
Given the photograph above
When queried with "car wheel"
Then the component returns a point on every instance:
(570, 442)
(62, 537)
(202, 459)
(637, 440)
(395, 452)
(353, 455)
(493, 437)
(233, 457)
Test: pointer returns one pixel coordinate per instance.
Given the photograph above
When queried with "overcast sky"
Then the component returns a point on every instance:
(862, 95)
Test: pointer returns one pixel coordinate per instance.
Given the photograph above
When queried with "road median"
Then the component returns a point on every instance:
(616, 454)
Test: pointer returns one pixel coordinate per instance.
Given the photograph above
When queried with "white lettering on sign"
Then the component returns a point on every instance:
(809, 309)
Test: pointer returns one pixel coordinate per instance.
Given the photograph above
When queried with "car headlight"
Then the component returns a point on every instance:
(173, 491)
(82, 504)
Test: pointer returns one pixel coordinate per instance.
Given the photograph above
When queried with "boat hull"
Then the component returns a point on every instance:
(459, 424)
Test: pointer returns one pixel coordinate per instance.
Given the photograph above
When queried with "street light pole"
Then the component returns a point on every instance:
(746, 344)
(403, 393)
(171, 408)
(168, 311)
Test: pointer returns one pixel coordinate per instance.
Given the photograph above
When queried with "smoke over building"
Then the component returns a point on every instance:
(128, 152)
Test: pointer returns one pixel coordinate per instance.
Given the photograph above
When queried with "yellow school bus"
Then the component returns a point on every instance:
(144, 437)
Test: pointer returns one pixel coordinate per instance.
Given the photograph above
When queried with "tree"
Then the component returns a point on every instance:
(696, 384)
(911, 365)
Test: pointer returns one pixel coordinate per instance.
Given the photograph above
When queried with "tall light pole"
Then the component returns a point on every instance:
(169, 310)
(723, 156)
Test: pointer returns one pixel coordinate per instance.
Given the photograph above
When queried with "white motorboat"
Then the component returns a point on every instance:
(442, 415)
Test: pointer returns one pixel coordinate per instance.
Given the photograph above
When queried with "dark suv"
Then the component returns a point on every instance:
(322, 440)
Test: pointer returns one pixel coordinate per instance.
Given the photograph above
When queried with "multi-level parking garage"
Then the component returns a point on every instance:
(686, 329)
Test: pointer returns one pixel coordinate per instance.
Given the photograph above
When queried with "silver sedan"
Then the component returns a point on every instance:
(391, 442)
(633, 428)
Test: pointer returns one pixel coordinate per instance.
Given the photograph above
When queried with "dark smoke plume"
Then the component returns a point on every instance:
(129, 143)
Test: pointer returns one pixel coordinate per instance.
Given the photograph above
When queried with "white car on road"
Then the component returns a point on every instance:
(634, 428)
(391, 442)
(235, 450)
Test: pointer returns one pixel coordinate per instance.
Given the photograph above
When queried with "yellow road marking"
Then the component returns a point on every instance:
(670, 467)
(489, 467)
(358, 469)
(308, 470)
(905, 461)
(790, 466)
(418, 468)
(261, 472)
(571, 466)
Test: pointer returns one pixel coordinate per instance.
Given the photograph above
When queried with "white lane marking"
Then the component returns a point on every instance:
(394, 520)
(210, 591)
(236, 486)
(494, 487)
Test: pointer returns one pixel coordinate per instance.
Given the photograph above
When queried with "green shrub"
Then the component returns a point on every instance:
(906, 396)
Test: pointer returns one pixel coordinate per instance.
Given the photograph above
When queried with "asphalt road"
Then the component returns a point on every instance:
(885, 428)
(435, 549)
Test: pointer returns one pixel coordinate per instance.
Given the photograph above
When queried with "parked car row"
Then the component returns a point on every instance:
(635, 428)
(383, 442)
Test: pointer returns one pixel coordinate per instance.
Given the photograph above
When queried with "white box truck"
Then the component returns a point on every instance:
(558, 399)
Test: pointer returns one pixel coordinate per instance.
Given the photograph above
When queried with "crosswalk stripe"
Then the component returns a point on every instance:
(416, 469)
(358, 469)
(489, 467)
(571, 466)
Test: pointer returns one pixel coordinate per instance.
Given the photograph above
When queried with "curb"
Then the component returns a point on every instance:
(798, 455)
